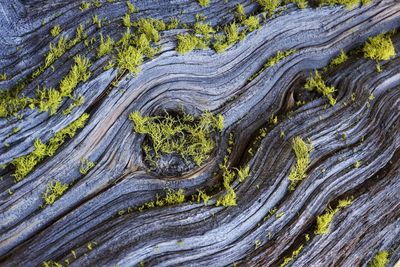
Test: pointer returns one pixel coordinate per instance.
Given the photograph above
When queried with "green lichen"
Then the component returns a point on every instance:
(316, 83)
(52, 264)
(96, 21)
(53, 192)
(25, 164)
(302, 152)
(3, 77)
(184, 135)
(381, 259)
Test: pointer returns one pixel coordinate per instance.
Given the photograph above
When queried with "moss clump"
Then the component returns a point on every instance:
(130, 59)
(243, 173)
(49, 100)
(316, 83)
(379, 47)
(339, 59)
(204, 3)
(53, 192)
(105, 47)
(231, 36)
(188, 137)
(131, 7)
(96, 21)
(228, 175)
(269, 5)
(78, 73)
(295, 253)
(25, 164)
(84, 6)
(55, 31)
(324, 220)
(380, 259)
(280, 55)
(3, 76)
(172, 197)
(150, 27)
(240, 12)
(189, 42)
(252, 23)
(298, 172)
(56, 51)
(52, 264)
(86, 166)
(349, 4)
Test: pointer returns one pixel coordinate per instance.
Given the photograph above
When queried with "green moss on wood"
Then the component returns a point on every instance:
(54, 191)
(25, 164)
(324, 220)
(339, 59)
(189, 137)
(381, 259)
(316, 83)
(56, 30)
(298, 172)
(379, 47)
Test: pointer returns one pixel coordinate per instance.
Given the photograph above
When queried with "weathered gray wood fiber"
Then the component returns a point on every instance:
(204, 80)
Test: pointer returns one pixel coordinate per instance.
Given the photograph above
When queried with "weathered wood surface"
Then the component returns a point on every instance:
(192, 234)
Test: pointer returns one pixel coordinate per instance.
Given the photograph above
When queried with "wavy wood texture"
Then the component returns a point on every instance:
(192, 234)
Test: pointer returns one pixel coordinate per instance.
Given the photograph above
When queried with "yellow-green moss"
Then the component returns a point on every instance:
(379, 47)
(204, 3)
(295, 253)
(381, 259)
(56, 30)
(84, 6)
(324, 220)
(105, 47)
(280, 55)
(131, 7)
(252, 23)
(298, 172)
(349, 4)
(185, 135)
(130, 59)
(53, 192)
(25, 164)
(269, 5)
(316, 83)
(243, 173)
(339, 59)
(86, 166)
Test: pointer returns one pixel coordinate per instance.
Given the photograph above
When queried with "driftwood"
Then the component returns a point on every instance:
(92, 217)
